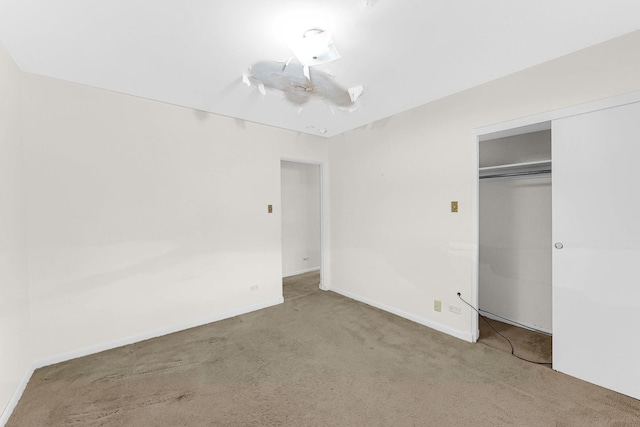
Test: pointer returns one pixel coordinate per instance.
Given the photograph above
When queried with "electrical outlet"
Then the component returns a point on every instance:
(306, 258)
(454, 309)
(254, 288)
(437, 305)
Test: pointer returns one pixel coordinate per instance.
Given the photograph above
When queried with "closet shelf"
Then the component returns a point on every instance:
(516, 169)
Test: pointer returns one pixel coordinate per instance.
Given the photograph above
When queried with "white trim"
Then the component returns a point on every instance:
(466, 336)
(303, 161)
(475, 233)
(526, 124)
(296, 273)
(63, 357)
(323, 230)
(511, 128)
(11, 405)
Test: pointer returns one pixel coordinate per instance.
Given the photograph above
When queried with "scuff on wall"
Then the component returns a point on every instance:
(300, 83)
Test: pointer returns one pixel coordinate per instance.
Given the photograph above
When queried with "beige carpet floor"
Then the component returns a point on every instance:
(530, 345)
(319, 359)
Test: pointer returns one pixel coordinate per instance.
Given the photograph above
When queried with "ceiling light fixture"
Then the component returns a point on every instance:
(298, 80)
(314, 47)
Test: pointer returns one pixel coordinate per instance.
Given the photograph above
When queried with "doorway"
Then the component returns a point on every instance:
(515, 240)
(301, 201)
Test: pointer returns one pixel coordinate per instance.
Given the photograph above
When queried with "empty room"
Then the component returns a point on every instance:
(338, 212)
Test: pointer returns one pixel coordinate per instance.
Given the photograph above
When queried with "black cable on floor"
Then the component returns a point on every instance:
(496, 331)
(529, 328)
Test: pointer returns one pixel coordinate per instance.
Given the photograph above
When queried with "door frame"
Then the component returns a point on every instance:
(323, 228)
(519, 126)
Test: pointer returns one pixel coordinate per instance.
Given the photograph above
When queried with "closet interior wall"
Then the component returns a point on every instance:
(515, 228)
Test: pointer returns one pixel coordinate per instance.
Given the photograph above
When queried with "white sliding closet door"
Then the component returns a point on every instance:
(596, 274)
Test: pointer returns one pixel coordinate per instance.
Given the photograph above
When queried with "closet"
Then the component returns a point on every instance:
(568, 263)
(515, 240)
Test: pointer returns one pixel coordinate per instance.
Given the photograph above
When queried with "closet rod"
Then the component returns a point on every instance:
(508, 174)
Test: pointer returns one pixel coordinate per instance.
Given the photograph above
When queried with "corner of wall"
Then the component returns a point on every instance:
(15, 347)
(463, 335)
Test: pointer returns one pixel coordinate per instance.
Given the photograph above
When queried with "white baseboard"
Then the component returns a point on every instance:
(514, 322)
(154, 334)
(121, 342)
(4, 417)
(295, 273)
(466, 336)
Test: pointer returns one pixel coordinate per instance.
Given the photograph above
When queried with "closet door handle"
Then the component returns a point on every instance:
(559, 245)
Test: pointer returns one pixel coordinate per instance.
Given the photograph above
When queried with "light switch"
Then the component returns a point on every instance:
(270, 208)
(454, 206)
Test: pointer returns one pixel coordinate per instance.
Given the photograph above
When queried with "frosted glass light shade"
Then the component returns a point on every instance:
(315, 47)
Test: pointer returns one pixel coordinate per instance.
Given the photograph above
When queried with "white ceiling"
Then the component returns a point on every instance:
(404, 52)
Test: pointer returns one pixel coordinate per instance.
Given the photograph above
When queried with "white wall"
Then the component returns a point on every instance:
(394, 241)
(15, 357)
(300, 218)
(145, 216)
(527, 147)
(515, 249)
